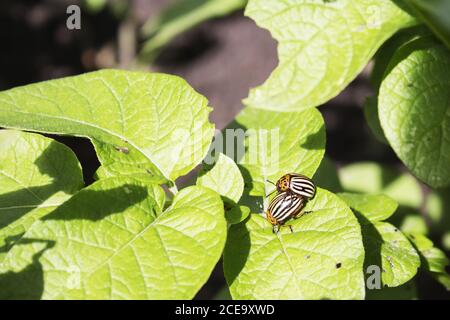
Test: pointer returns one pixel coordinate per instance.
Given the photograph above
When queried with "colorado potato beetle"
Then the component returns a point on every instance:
(298, 184)
(283, 207)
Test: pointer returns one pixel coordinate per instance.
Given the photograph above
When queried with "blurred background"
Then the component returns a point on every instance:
(222, 54)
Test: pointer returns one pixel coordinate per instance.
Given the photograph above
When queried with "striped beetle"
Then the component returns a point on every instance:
(298, 184)
(283, 207)
(294, 191)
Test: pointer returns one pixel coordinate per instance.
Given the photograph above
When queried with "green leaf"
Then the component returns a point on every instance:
(112, 241)
(435, 13)
(180, 17)
(388, 49)
(382, 59)
(322, 259)
(413, 108)
(36, 175)
(414, 224)
(95, 6)
(224, 178)
(116, 161)
(385, 245)
(277, 143)
(159, 116)
(237, 214)
(327, 177)
(374, 207)
(446, 241)
(434, 260)
(437, 207)
(370, 177)
(371, 115)
(323, 45)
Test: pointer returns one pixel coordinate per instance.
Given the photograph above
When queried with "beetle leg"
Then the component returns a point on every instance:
(276, 229)
(271, 193)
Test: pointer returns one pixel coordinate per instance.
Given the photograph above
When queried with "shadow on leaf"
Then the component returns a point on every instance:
(315, 140)
(96, 205)
(16, 204)
(237, 250)
(372, 242)
(27, 284)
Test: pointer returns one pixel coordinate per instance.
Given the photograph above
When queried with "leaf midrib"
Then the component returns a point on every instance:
(83, 123)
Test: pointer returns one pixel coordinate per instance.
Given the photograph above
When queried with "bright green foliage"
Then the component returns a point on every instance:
(224, 178)
(413, 109)
(323, 45)
(273, 148)
(437, 207)
(37, 174)
(369, 177)
(181, 16)
(375, 207)
(385, 245)
(321, 259)
(158, 116)
(401, 187)
(113, 240)
(433, 259)
(120, 238)
(117, 161)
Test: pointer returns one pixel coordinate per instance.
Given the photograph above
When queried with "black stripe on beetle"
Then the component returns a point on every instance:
(283, 207)
(298, 184)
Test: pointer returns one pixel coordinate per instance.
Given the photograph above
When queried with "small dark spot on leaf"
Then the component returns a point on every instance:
(307, 256)
(412, 237)
(338, 265)
(396, 230)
